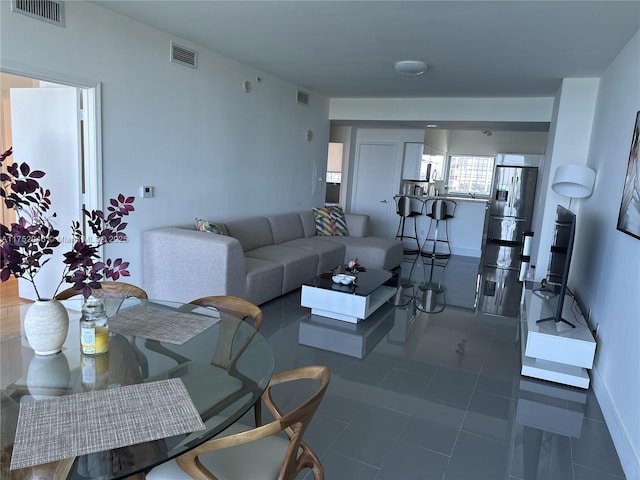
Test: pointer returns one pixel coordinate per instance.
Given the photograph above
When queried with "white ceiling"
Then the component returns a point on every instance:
(348, 48)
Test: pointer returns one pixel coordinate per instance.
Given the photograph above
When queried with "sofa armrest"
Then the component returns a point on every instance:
(358, 224)
(182, 265)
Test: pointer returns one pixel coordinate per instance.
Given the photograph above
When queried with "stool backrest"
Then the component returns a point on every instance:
(403, 206)
(442, 209)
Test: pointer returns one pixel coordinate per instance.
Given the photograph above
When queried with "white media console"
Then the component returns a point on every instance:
(555, 351)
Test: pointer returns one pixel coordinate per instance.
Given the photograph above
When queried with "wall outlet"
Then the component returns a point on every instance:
(146, 192)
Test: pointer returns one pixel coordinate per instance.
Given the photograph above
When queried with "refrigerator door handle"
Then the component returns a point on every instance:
(515, 219)
(514, 182)
(504, 243)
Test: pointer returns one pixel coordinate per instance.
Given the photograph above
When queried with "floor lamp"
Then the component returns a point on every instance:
(573, 181)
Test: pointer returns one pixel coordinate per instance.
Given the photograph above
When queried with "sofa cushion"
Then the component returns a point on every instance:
(264, 280)
(358, 224)
(308, 223)
(371, 252)
(330, 254)
(285, 227)
(299, 265)
(251, 232)
(330, 221)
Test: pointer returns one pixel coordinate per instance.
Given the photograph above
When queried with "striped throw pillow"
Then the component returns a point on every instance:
(330, 221)
(206, 226)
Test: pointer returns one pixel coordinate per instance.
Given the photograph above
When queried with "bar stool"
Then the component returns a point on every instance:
(404, 210)
(441, 210)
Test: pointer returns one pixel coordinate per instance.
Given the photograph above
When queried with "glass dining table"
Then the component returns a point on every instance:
(225, 367)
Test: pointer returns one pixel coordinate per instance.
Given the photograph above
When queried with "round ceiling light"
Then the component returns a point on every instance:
(411, 67)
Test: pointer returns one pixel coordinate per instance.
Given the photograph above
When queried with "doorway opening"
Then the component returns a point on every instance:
(53, 126)
(334, 173)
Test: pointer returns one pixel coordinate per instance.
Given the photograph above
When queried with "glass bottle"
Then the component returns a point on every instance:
(94, 329)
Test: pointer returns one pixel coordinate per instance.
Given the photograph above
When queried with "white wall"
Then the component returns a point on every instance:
(606, 270)
(533, 109)
(568, 143)
(207, 148)
(466, 142)
(437, 138)
(343, 135)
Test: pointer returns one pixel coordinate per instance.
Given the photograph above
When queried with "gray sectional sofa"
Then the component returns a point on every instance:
(257, 258)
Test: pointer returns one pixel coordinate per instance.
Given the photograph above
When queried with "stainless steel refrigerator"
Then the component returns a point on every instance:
(509, 217)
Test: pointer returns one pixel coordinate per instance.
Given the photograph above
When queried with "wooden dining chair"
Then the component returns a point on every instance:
(108, 290)
(243, 452)
(236, 306)
(114, 294)
(225, 353)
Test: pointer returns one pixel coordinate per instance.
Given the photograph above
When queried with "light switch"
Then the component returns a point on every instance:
(147, 192)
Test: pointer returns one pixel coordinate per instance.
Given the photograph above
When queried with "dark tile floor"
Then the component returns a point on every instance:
(440, 397)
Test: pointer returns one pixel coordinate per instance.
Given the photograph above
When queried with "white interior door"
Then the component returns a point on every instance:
(374, 185)
(45, 128)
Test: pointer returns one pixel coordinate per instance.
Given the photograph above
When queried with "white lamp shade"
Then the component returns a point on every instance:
(575, 181)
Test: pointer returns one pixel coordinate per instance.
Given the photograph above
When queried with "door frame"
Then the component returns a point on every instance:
(91, 150)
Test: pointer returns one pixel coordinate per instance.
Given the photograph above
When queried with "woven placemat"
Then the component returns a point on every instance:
(62, 427)
(167, 326)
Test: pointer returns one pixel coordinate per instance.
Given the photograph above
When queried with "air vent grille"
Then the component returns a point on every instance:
(184, 55)
(44, 10)
(303, 98)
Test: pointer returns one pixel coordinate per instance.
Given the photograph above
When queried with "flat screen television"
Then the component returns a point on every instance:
(560, 261)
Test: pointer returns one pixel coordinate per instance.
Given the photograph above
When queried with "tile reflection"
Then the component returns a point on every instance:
(439, 283)
(439, 395)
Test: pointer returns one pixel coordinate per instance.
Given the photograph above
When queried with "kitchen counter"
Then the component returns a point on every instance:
(466, 228)
(456, 198)
(465, 198)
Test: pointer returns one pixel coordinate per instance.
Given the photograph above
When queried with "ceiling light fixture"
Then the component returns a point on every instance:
(411, 67)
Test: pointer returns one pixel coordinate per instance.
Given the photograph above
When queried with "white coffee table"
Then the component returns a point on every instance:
(350, 303)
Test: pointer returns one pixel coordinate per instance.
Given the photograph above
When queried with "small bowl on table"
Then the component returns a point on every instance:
(343, 278)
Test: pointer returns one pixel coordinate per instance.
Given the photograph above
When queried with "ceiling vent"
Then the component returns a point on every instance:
(44, 10)
(184, 56)
(303, 98)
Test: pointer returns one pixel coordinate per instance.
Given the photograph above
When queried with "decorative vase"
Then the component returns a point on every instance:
(45, 325)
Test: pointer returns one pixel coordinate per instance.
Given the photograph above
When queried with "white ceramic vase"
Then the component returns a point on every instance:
(46, 324)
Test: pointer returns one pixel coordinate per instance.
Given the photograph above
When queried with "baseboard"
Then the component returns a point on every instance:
(628, 457)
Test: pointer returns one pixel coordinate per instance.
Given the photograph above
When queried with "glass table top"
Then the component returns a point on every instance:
(365, 283)
(225, 370)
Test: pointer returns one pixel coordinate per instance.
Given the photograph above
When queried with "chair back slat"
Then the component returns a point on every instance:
(298, 455)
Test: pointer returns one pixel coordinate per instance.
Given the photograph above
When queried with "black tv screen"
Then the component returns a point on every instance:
(560, 260)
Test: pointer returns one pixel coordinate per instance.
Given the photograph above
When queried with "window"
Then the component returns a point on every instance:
(334, 177)
(470, 174)
(437, 166)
